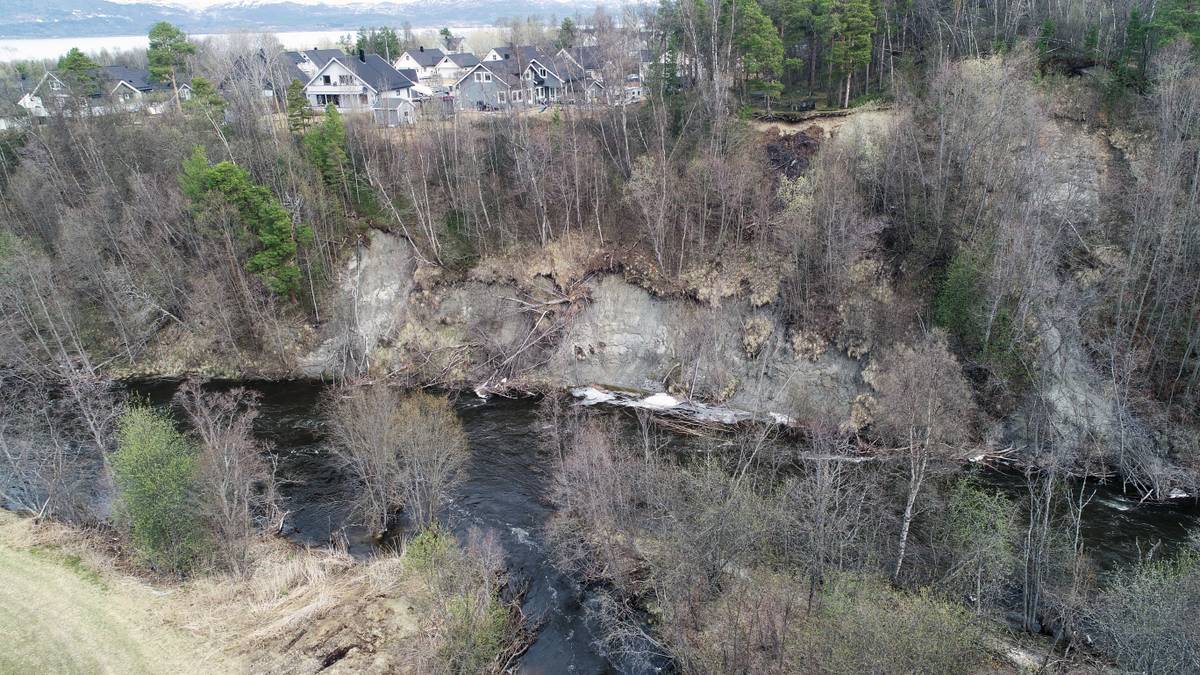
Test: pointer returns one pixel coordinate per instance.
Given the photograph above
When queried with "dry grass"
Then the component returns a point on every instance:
(71, 605)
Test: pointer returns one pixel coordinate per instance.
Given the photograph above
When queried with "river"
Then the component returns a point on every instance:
(505, 488)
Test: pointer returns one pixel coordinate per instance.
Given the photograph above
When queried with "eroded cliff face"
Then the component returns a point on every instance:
(607, 331)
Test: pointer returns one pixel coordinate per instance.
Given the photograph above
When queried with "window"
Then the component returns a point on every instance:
(487, 77)
(325, 79)
(345, 79)
(542, 72)
(502, 96)
(55, 85)
(362, 99)
(516, 96)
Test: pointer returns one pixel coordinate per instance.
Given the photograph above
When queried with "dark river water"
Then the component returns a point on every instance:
(505, 489)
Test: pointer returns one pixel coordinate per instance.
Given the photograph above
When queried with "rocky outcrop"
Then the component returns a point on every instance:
(616, 334)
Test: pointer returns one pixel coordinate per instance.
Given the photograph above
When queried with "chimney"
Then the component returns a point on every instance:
(422, 49)
(362, 56)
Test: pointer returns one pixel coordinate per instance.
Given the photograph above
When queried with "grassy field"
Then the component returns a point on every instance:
(60, 615)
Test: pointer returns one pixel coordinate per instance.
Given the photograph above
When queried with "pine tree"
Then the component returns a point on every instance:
(297, 107)
(168, 50)
(567, 34)
(78, 71)
(206, 101)
(852, 25)
(259, 212)
(758, 42)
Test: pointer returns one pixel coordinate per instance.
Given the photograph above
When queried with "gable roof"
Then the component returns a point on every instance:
(509, 80)
(524, 53)
(319, 57)
(587, 56)
(463, 60)
(373, 70)
(108, 78)
(426, 58)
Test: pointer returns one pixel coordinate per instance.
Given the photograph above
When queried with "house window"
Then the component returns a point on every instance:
(487, 77)
(325, 79)
(540, 92)
(345, 79)
(516, 96)
(362, 99)
(502, 96)
(542, 72)
(54, 85)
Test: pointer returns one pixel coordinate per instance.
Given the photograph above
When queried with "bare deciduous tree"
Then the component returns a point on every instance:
(405, 451)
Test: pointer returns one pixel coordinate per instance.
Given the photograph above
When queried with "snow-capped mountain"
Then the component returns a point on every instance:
(75, 18)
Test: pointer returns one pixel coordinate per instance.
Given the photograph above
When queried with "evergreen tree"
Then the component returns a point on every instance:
(852, 25)
(169, 47)
(567, 34)
(78, 71)
(758, 42)
(259, 212)
(206, 101)
(325, 146)
(297, 107)
(447, 37)
(382, 41)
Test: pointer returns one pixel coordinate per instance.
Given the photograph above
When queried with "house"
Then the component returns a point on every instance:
(454, 66)
(365, 83)
(307, 63)
(558, 78)
(521, 55)
(489, 85)
(111, 89)
(422, 60)
(455, 44)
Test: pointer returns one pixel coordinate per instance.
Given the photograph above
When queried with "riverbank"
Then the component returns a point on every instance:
(70, 604)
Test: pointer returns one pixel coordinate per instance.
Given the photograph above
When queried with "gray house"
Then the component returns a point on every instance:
(558, 79)
(489, 85)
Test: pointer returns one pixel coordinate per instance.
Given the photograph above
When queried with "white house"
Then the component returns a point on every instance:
(365, 83)
(422, 60)
(310, 61)
(453, 66)
(112, 89)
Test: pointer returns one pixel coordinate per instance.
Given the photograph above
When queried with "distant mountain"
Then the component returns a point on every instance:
(79, 18)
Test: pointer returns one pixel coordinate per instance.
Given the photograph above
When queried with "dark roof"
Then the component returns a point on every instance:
(318, 56)
(567, 70)
(377, 72)
(408, 72)
(137, 78)
(463, 60)
(426, 58)
(500, 73)
(524, 53)
(587, 56)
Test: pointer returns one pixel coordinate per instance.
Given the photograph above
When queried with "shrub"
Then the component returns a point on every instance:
(156, 474)
(1147, 616)
(866, 626)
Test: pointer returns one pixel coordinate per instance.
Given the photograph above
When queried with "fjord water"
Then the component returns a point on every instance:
(506, 488)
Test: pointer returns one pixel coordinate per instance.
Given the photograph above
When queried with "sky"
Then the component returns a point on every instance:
(202, 4)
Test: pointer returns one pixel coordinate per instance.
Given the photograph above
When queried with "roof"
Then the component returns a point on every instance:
(426, 58)
(374, 70)
(506, 78)
(587, 56)
(108, 77)
(524, 53)
(408, 72)
(564, 68)
(463, 60)
(320, 57)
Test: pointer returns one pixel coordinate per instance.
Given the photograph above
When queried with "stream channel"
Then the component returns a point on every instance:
(505, 488)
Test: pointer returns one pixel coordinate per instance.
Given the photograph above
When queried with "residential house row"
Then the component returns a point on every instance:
(393, 92)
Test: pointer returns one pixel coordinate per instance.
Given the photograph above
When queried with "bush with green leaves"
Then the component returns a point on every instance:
(155, 469)
(864, 625)
(976, 535)
(471, 629)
